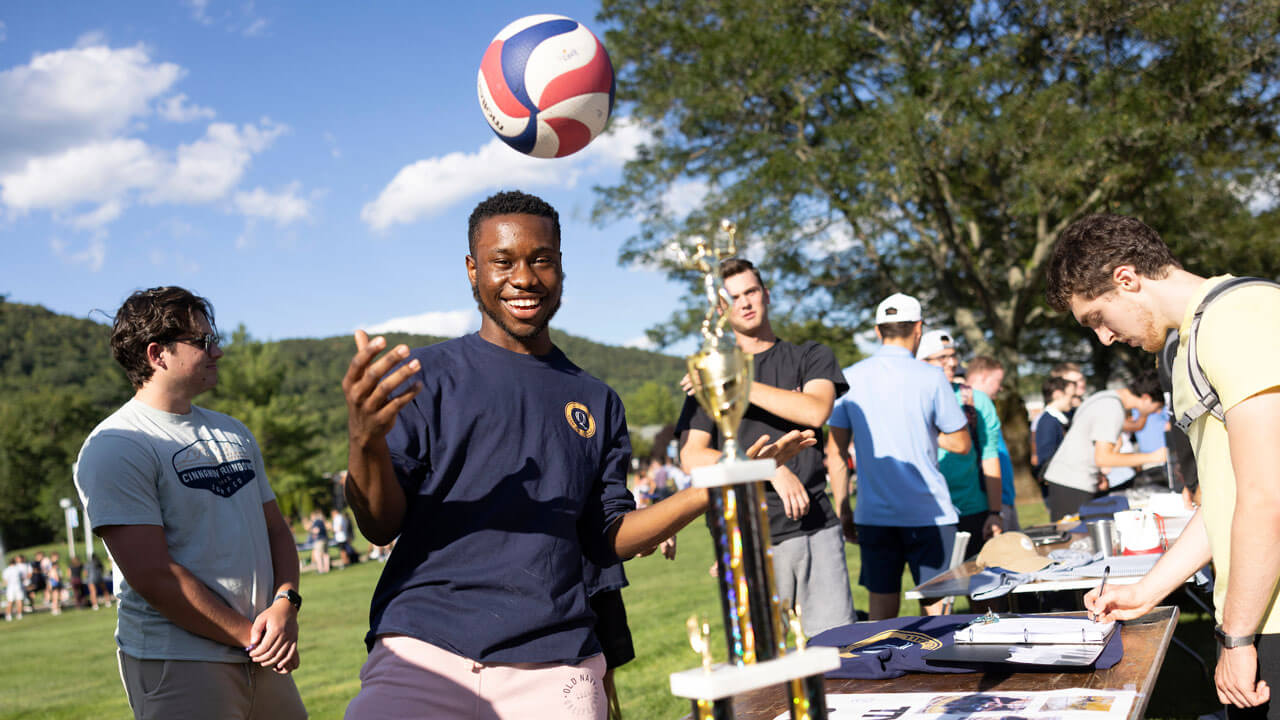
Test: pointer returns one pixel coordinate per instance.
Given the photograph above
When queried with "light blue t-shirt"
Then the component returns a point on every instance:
(894, 410)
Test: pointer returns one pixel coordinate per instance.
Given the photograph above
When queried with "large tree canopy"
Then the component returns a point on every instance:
(939, 147)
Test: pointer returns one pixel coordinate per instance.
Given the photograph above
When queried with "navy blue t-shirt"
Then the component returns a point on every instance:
(514, 466)
(892, 648)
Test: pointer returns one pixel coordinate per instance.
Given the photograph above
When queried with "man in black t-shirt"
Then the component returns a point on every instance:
(794, 389)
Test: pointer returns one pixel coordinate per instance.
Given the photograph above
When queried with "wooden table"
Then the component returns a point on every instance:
(1145, 642)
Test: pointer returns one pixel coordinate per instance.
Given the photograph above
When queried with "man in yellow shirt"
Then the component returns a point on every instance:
(1117, 277)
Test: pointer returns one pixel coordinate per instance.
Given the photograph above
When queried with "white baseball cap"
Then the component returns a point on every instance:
(933, 342)
(898, 308)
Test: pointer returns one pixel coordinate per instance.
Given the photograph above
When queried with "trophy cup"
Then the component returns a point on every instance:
(755, 633)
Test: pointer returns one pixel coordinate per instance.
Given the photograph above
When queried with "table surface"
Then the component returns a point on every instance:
(1145, 642)
(956, 580)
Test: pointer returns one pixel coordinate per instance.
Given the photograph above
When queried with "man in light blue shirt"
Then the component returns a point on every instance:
(898, 411)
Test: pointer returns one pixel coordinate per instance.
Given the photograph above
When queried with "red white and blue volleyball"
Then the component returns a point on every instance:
(546, 85)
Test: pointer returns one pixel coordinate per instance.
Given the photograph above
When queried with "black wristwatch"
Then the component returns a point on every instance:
(292, 596)
(1231, 641)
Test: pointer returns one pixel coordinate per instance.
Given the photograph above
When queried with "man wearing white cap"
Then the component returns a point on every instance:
(898, 411)
(973, 476)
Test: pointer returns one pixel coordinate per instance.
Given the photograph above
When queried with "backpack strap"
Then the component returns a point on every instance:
(1206, 397)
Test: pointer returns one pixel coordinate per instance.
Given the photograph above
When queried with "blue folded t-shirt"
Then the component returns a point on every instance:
(892, 648)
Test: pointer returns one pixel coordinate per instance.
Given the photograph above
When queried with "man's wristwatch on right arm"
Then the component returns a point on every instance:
(1231, 641)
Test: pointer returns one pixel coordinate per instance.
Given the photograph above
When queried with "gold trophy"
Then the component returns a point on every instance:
(755, 634)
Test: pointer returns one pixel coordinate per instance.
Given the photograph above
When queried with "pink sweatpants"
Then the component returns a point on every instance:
(408, 678)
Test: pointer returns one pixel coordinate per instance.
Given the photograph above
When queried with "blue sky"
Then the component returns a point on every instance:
(309, 167)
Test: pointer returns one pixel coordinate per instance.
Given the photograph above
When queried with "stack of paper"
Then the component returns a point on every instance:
(1036, 631)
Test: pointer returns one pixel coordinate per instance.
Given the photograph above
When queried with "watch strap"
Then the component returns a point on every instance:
(292, 596)
(1231, 641)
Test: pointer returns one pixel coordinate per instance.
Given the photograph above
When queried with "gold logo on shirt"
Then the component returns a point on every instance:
(890, 640)
(580, 419)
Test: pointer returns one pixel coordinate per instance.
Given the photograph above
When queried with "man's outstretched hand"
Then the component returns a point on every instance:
(368, 384)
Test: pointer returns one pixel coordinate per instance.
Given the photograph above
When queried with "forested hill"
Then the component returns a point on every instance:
(58, 380)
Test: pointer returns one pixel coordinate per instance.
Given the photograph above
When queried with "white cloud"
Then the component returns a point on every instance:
(451, 323)
(175, 108)
(428, 186)
(93, 173)
(70, 97)
(199, 11)
(283, 208)
(95, 219)
(112, 170)
(92, 256)
(210, 167)
(641, 342)
(256, 28)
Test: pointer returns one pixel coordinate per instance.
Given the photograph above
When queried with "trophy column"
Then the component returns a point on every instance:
(755, 636)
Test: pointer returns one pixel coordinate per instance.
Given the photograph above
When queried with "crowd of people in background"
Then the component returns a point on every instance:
(924, 451)
(45, 583)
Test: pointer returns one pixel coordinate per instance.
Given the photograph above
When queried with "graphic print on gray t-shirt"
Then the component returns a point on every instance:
(198, 466)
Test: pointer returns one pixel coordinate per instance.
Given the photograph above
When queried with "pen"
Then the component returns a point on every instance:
(1105, 572)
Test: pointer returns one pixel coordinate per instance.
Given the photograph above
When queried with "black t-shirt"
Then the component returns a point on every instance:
(788, 367)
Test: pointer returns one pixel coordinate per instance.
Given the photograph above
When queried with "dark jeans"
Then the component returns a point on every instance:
(1269, 670)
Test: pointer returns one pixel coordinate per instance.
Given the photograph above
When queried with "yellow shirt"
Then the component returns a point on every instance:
(1239, 350)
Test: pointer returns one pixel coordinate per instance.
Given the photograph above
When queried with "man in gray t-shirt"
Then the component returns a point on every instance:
(206, 568)
(1075, 474)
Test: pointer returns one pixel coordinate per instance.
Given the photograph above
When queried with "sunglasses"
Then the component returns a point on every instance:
(205, 342)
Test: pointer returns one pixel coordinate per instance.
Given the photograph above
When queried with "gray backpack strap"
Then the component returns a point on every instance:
(1206, 397)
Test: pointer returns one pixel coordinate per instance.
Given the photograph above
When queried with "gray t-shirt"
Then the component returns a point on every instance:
(1099, 419)
(201, 477)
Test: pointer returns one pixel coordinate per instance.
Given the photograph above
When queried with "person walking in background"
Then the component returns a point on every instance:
(318, 530)
(342, 537)
(898, 412)
(38, 584)
(207, 620)
(56, 585)
(973, 477)
(15, 578)
(98, 593)
(986, 374)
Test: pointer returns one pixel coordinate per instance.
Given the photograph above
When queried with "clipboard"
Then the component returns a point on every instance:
(1045, 642)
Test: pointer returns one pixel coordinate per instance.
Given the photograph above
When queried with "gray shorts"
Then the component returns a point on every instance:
(811, 570)
(162, 689)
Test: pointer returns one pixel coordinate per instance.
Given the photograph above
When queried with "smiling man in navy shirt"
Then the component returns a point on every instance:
(501, 466)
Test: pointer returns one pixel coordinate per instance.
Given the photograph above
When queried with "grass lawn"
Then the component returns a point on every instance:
(64, 667)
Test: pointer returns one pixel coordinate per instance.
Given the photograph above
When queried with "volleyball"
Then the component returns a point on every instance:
(546, 85)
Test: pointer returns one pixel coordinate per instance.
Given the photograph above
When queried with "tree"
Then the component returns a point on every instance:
(249, 389)
(938, 148)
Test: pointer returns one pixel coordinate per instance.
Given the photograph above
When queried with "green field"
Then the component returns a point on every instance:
(64, 667)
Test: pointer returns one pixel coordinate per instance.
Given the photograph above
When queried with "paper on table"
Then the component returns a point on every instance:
(1036, 630)
(1121, 566)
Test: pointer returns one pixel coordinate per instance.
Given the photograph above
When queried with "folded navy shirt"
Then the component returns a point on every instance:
(892, 648)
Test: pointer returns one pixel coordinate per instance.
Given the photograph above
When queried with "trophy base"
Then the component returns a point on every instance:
(727, 680)
(733, 473)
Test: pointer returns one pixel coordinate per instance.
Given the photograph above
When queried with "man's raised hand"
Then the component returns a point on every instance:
(369, 383)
